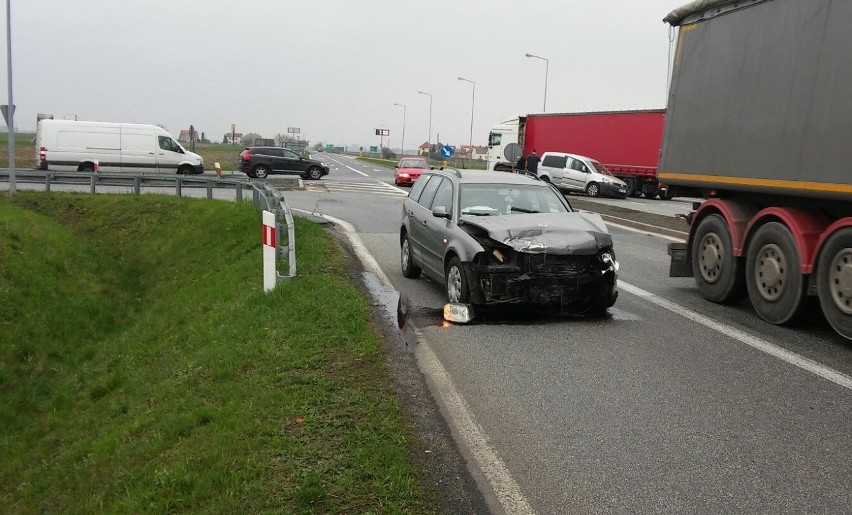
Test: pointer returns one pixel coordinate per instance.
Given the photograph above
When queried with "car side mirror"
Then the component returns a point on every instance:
(431, 167)
(441, 212)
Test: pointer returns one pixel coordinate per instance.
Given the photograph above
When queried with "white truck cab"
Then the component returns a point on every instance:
(571, 172)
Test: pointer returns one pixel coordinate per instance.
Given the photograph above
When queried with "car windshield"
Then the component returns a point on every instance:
(601, 168)
(508, 199)
(413, 163)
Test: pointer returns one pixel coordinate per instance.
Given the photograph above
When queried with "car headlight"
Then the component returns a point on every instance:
(607, 180)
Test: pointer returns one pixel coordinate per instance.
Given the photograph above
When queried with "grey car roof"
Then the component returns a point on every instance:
(480, 176)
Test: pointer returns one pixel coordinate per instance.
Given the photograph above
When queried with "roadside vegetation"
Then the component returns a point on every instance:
(143, 369)
(24, 150)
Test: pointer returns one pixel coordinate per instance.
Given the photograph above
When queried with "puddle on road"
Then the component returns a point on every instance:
(395, 308)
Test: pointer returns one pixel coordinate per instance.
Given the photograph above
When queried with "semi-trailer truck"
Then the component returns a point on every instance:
(626, 142)
(759, 122)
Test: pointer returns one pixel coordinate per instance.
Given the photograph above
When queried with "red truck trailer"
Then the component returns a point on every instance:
(626, 142)
(759, 122)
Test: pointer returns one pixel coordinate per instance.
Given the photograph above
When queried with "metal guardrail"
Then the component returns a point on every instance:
(264, 196)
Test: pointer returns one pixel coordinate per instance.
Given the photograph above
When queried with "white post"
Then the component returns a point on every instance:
(270, 243)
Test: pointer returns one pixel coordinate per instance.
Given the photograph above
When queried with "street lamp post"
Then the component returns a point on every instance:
(472, 103)
(429, 140)
(546, 69)
(404, 108)
(10, 116)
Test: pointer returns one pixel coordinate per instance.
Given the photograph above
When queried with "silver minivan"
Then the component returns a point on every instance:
(571, 172)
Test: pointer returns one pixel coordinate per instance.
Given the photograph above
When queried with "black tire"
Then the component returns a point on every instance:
(834, 281)
(260, 171)
(455, 282)
(86, 167)
(717, 272)
(593, 190)
(185, 170)
(409, 269)
(667, 194)
(776, 287)
(314, 173)
(631, 185)
(650, 189)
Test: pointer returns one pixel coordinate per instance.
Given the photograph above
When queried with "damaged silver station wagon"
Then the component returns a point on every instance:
(496, 237)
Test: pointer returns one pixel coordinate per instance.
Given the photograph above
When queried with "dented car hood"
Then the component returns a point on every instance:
(577, 233)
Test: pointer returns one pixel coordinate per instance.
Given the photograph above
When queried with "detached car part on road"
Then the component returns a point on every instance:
(263, 161)
(495, 238)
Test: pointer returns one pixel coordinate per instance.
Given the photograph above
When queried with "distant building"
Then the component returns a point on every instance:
(232, 138)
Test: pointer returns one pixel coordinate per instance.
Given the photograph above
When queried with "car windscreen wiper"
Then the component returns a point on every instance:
(522, 210)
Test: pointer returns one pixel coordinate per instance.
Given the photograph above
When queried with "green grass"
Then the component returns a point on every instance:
(24, 150)
(143, 369)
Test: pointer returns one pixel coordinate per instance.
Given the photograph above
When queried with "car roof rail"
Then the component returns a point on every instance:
(455, 171)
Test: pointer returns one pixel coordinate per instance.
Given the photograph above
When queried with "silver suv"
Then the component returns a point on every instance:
(493, 238)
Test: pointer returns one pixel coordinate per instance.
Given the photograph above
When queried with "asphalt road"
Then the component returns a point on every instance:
(669, 404)
(646, 410)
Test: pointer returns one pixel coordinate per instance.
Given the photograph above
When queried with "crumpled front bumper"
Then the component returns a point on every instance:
(571, 282)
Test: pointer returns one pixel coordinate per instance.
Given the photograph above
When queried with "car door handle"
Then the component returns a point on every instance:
(150, 153)
(424, 221)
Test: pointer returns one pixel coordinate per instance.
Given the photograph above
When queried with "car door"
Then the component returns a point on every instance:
(408, 206)
(552, 166)
(293, 162)
(419, 217)
(138, 152)
(576, 174)
(436, 232)
(169, 154)
(276, 159)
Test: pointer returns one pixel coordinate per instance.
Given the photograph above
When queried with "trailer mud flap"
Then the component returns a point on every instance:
(680, 264)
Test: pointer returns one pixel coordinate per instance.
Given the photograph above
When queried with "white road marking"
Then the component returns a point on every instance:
(394, 188)
(505, 488)
(376, 170)
(643, 231)
(760, 344)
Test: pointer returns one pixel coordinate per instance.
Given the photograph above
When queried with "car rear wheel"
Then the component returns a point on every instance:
(86, 167)
(185, 170)
(456, 283)
(593, 190)
(260, 171)
(409, 269)
(314, 173)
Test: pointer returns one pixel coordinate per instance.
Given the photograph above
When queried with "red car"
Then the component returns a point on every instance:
(409, 169)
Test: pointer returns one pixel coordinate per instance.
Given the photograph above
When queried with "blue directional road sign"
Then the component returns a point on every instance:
(447, 151)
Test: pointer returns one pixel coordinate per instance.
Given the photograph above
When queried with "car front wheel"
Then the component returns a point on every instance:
(456, 283)
(314, 173)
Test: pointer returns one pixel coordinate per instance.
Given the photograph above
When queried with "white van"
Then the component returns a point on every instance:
(571, 172)
(70, 145)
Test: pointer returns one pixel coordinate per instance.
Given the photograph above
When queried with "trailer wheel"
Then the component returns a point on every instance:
(834, 281)
(650, 189)
(631, 185)
(776, 287)
(717, 271)
(667, 193)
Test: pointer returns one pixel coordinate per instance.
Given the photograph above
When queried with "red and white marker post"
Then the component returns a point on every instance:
(218, 168)
(270, 244)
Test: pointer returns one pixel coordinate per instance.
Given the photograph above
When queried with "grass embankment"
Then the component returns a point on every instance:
(142, 368)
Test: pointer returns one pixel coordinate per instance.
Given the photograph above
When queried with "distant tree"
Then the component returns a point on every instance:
(280, 139)
(387, 153)
(225, 139)
(249, 138)
(319, 146)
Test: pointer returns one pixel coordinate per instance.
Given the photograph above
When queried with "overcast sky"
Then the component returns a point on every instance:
(334, 68)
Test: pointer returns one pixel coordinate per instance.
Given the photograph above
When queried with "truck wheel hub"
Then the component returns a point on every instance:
(840, 280)
(770, 272)
(710, 258)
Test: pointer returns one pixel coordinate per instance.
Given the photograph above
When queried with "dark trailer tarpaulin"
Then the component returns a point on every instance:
(761, 98)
